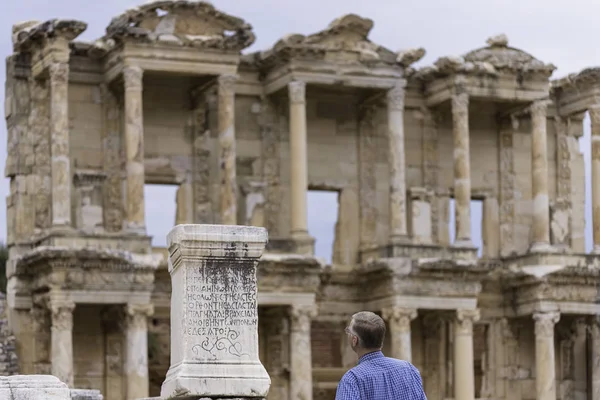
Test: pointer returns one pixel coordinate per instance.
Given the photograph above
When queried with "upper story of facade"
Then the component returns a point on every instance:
(166, 96)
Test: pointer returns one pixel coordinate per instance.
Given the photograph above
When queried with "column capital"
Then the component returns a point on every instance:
(297, 92)
(137, 315)
(59, 73)
(594, 111)
(544, 323)
(301, 317)
(539, 107)
(62, 315)
(132, 76)
(399, 316)
(226, 83)
(396, 95)
(460, 102)
(465, 320)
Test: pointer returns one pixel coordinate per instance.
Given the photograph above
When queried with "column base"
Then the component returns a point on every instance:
(542, 247)
(463, 244)
(134, 229)
(400, 239)
(189, 380)
(303, 243)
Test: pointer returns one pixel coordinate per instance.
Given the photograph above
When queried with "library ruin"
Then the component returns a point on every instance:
(170, 95)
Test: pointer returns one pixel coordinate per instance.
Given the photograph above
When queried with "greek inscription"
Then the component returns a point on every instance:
(221, 305)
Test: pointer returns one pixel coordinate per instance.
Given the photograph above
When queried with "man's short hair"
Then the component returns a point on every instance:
(370, 329)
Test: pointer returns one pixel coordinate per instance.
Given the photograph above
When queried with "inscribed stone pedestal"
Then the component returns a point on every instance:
(214, 312)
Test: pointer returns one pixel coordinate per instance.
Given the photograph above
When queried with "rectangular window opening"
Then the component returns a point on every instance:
(160, 209)
(323, 208)
(476, 224)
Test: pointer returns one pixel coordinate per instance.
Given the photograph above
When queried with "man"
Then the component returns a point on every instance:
(376, 377)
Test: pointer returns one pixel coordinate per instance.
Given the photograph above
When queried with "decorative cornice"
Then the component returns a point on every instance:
(31, 33)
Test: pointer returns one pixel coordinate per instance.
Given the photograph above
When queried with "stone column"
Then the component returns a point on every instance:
(61, 159)
(134, 150)
(539, 178)
(595, 362)
(595, 119)
(301, 386)
(62, 341)
(136, 351)
(214, 313)
(399, 320)
(227, 151)
(462, 169)
(544, 355)
(298, 159)
(397, 162)
(464, 369)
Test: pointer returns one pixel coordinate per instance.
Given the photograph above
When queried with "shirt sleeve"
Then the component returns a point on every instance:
(418, 384)
(347, 388)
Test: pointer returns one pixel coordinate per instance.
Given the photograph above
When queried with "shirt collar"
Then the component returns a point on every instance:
(371, 356)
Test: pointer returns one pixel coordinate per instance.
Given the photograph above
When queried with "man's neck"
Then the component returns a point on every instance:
(362, 352)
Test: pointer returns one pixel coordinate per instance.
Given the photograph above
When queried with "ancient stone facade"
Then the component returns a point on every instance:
(166, 96)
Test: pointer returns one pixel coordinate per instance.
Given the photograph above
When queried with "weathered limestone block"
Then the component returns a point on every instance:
(86, 394)
(33, 387)
(214, 312)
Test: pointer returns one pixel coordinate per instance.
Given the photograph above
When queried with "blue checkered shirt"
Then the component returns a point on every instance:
(377, 377)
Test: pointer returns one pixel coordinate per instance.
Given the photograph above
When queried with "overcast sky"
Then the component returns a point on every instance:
(564, 33)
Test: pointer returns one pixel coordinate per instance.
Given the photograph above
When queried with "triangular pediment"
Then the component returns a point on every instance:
(185, 23)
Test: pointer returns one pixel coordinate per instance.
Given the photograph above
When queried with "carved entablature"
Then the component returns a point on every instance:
(47, 42)
(574, 284)
(289, 273)
(576, 92)
(196, 24)
(402, 276)
(93, 269)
